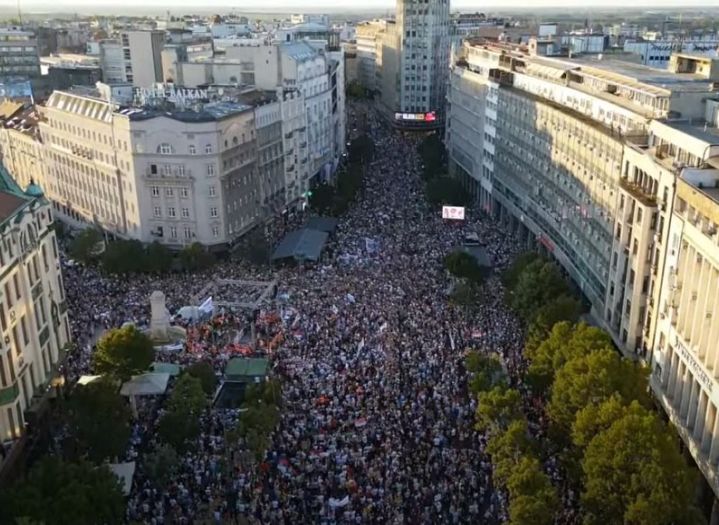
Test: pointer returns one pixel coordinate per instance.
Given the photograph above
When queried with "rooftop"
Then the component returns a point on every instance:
(298, 50)
(698, 131)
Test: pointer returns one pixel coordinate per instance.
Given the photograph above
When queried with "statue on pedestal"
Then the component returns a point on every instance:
(160, 320)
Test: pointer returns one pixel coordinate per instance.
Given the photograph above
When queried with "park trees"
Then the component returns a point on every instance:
(98, 420)
(203, 371)
(497, 409)
(161, 464)
(533, 499)
(463, 266)
(538, 284)
(65, 493)
(485, 372)
(85, 247)
(195, 258)
(123, 352)
(180, 423)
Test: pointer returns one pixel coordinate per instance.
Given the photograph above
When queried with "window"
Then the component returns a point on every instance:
(169, 192)
(171, 211)
(192, 149)
(188, 233)
(208, 148)
(173, 232)
(164, 148)
(23, 326)
(213, 212)
(215, 231)
(183, 192)
(157, 211)
(210, 169)
(185, 213)
(212, 191)
(155, 191)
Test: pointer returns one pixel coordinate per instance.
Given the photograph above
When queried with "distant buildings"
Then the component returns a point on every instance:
(18, 53)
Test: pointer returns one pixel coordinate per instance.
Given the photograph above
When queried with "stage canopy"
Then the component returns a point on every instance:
(322, 224)
(304, 244)
(146, 385)
(165, 368)
(246, 370)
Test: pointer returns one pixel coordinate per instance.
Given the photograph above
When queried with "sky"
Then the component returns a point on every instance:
(298, 5)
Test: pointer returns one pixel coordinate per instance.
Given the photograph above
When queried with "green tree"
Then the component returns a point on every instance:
(497, 408)
(564, 342)
(537, 285)
(195, 257)
(122, 257)
(563, 308)
(532, 497)
(461, 264)
(486, 372)
(65, 494)
(464, 294)
(158, 258)
(511, 275)
(161, 465)
(123, 352)
(178, 429)
(323, 199)
(356, 90)
(187, 396)
(635, 474)
(361, 149)
(180, 424)
(434, 156)
(596, 418)
(203, 371)
(85, 247)
(592, 379)
(508, 448)
(445, 190)
(98, 420)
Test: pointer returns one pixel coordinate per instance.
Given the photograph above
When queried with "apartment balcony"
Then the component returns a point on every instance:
(639, 193)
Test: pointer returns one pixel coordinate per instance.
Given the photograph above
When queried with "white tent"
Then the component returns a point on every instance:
(125, 472)
(190, 313)
(86, 380)
(146, 385)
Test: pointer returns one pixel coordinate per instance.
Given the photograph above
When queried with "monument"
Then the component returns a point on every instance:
(160, 329)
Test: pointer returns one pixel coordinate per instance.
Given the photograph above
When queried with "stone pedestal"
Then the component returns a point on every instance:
(160, 320)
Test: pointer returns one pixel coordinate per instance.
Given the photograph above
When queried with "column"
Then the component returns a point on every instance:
(686, 386)
(693, 404)
(708, 426)
(677, 386)
(714, 448)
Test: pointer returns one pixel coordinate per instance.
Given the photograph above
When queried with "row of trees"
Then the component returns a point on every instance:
(602, 425)
(516, 458)
(132, 256)
(334, 199)
(469, 275)
(440, 188)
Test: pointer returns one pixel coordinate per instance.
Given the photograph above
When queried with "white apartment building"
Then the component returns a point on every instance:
(614, 169)
(367, 52)
(177, 176)
(136, 57)
(33, 311)
(561, 158)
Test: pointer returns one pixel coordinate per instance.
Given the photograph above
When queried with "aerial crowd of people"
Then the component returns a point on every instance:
(377, 424)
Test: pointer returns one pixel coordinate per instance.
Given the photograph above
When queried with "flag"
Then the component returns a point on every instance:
(207, 307)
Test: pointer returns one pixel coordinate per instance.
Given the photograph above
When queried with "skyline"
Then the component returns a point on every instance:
(297, 5)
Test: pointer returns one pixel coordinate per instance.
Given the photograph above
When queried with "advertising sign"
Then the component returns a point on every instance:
(455, 213)
(416, 117)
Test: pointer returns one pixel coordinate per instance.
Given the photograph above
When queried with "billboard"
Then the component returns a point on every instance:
(455, 213)
(416, 117)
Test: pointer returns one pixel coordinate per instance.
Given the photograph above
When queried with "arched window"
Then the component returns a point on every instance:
(164, 148)
(234, 140)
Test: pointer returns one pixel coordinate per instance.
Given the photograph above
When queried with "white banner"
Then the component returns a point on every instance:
(207, 306)
(453, 213)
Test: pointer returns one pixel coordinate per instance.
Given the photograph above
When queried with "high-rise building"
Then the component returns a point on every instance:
(33, 312)
(142, 52)
(612, 168)
(18, 53)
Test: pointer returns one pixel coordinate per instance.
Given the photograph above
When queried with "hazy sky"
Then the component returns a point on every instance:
(297, 5)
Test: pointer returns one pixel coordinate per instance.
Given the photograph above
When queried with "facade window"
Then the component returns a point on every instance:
(171, 212)
(188, 233)
(208, 148)
(169, 192)
(212, 191)
(185, 213)
(157, 211)
(192, 149)
(215, 231)
(183, 192)
(155, 191)
(213, 212)
(173, 232)
(210, 169)
(164, 149)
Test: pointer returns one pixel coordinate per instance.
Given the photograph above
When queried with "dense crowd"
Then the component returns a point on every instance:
(376, 421)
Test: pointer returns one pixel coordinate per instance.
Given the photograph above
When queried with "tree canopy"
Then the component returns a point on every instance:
(445, 190)
(123, 352)
(537, 285)
(180, 424)
(592, 379)
(485, 371)
(195, 257)
(508, 448)
(98, 420)
(65, 494)
(497, 408)
(84, 247)
(161, 465)
(533, 499)
(462, 265)
(635, 474)
(564, 342)
(203, 371)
